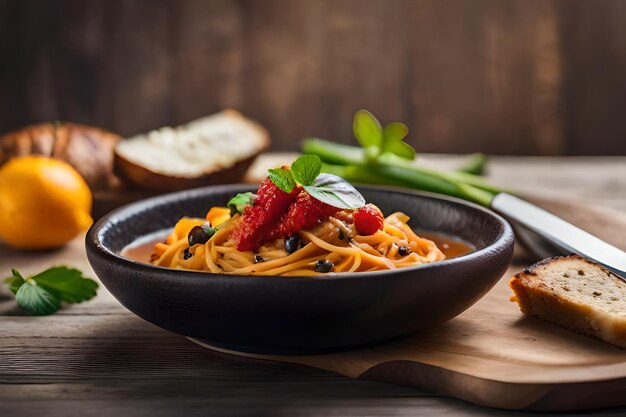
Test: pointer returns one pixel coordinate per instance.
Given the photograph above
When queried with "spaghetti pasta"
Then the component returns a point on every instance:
(335, 240)
(299, 223)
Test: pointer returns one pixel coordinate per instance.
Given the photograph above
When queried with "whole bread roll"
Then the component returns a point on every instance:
(88, 149)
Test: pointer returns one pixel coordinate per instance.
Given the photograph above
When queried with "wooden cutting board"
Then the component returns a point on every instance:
(492, 355)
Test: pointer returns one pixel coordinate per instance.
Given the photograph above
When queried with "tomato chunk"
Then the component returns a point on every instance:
(259, 220)
(303, 214)
(368, 220)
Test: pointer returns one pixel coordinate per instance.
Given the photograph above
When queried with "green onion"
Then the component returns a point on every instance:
(349, 162)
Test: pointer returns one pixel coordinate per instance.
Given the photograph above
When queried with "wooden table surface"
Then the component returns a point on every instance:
(97, 358)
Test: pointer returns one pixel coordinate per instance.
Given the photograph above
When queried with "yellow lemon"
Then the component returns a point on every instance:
(44, 202)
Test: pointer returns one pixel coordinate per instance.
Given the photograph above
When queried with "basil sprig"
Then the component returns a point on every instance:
(282, 178)
(327, 188)
(335, 191)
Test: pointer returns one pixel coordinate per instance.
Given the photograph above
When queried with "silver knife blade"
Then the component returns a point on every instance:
(560, 233)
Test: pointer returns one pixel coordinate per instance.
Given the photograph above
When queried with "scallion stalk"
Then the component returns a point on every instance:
(350, 163)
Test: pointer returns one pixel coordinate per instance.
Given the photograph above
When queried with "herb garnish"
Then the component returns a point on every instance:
(335, 191)
(282, 178)
(42, 294)
(239, 202)
(327, 188)
(377, 141)
(306, 168)
(209, 230)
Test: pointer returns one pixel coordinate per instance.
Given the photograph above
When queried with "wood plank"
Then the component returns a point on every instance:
(139, 70)
(283, 67)
(504, 77)
(365, 64)
(273, 403)
(207, 57)
(477, 74)
(593, 58)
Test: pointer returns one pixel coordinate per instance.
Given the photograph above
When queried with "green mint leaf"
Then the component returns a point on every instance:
(401, 149)
(239, 202)
(68, 284)
(335, 191)
(15, 281)
(36, 299)
(367, 129)
(210, 231)
(306, 168)
(282, 178)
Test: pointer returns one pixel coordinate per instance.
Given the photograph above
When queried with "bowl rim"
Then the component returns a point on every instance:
(94, 245)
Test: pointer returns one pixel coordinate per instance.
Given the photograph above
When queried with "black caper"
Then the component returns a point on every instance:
(292, 243)
(324, 265)
(404, 250)
(341, 236)
(197, 236)
(187, 254)
(258, 258)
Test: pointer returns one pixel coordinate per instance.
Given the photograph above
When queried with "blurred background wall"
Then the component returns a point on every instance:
(506, 77)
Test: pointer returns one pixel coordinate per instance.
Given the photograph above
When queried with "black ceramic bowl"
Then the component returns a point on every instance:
(301, 315)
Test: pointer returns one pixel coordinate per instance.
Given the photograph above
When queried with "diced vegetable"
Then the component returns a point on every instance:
(218, 215)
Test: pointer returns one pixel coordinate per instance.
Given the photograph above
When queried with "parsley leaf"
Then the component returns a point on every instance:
(16, 281)
(43, 293)
(69, 284)
(282, 178)
(37, 300)
(210, 231)
(306, 168)
(239, 202)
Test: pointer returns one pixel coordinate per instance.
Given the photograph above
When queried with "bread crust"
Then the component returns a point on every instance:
(89, 149)
(537, 297)
(143, 178)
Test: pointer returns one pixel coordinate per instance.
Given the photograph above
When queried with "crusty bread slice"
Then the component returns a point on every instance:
(212, 150)
(575, 293)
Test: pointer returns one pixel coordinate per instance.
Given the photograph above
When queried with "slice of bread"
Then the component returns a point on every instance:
(215, 149)
(575, 293)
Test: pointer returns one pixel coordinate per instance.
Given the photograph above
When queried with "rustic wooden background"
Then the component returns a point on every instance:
(506, 77)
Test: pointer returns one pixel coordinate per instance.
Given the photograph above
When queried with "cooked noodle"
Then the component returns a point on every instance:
(332, 240)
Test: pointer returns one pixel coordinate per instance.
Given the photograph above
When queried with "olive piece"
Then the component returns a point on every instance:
(197, 236)
(404, 250)
(292, 243)
(187, 254)
(258, 258)
(324, 265)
